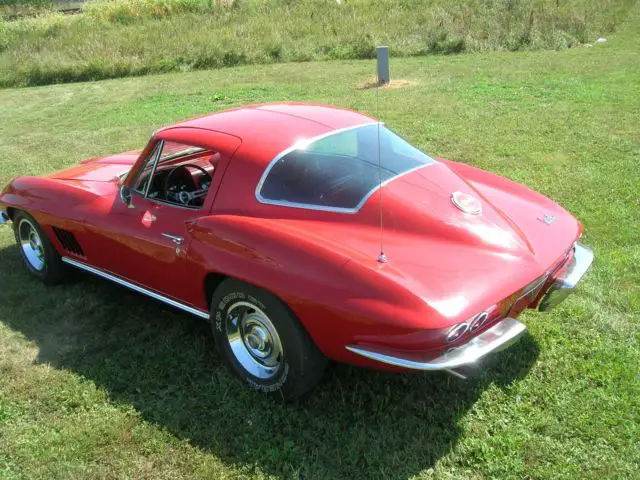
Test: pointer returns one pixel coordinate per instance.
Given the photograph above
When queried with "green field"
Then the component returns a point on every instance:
(119, 38)
(97, 382)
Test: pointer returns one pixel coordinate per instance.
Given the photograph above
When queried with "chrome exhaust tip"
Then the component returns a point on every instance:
(464, 372)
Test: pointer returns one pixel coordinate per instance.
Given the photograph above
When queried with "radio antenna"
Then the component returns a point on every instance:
(382, 258)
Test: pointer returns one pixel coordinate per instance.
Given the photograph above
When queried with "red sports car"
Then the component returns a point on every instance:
(305, 233)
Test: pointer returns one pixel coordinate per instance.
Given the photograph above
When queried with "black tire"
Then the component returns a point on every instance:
(301, 364)
(53, 270)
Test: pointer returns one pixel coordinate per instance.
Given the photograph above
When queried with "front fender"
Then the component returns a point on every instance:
(41, 195)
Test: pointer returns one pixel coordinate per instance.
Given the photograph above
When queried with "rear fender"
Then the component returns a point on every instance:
(335, 304)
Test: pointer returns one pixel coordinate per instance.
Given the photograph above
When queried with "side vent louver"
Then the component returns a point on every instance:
(68, 241)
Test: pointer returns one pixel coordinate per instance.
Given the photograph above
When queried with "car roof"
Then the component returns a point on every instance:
(273, 127)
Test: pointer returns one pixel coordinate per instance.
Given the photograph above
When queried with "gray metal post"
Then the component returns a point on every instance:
(382, 54)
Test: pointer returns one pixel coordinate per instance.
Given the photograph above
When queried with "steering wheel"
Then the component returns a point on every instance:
(184, 196)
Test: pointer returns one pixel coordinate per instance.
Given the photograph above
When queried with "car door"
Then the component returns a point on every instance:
(152, 251)
(150, 235)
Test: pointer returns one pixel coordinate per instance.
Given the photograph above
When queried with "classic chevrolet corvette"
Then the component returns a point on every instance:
(305, 233)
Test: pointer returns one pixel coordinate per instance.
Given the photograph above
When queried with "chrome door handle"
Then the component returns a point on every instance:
(174, 239)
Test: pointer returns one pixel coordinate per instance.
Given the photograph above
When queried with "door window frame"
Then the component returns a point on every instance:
(156, 150)
(225, 144)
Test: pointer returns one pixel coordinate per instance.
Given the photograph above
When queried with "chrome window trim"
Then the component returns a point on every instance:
(155, 152)
(308, 206)
(136, 288)
(158, 154)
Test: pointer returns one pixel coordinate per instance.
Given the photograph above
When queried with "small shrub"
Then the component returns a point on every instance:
(361, 48)
(435, 41)
(208, 59)
(230, 59)
(274, 51)
(452, 45)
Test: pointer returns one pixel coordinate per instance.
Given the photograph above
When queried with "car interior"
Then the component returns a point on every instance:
(182, 176)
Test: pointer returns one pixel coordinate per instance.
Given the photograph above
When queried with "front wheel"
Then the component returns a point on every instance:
(263, 343)
(38, 254)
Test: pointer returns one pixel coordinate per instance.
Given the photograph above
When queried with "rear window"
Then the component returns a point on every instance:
(339, 171)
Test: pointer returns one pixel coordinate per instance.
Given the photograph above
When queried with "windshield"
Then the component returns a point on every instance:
(340, 171)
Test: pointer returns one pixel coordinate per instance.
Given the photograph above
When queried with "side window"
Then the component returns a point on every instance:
(178, 174)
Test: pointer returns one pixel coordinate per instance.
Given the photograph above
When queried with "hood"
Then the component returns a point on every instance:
(99, 169)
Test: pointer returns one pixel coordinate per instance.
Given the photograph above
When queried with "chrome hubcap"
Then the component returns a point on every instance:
(253, 339)
(31, 244)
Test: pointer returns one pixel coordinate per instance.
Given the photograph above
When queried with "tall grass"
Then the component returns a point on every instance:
(15, 8)
(117, 38)
(27, 3)
(125, 11)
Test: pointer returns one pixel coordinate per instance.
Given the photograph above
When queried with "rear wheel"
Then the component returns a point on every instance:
(263, 343)
(39, 255)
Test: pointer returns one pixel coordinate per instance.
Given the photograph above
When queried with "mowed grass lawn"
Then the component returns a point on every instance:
(97, 382)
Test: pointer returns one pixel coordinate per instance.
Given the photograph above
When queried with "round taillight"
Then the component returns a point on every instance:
(457, 331)
(478, 321)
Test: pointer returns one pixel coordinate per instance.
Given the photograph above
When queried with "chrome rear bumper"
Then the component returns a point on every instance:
(569, 278)
(496, 338)
(4, 218)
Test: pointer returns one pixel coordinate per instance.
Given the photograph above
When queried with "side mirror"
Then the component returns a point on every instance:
(125, 196)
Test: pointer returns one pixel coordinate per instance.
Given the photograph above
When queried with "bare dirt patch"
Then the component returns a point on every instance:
(393, 84)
